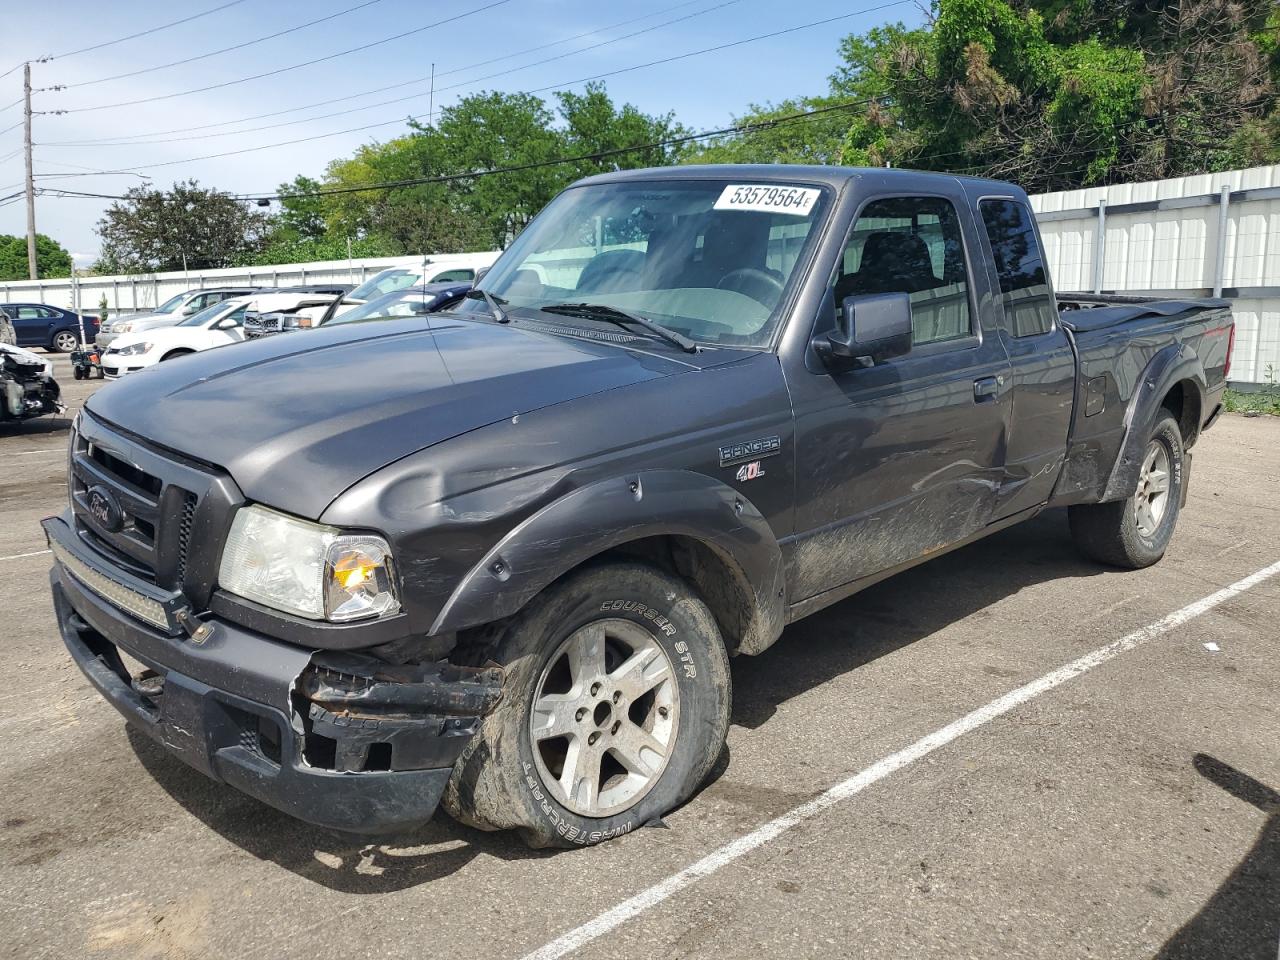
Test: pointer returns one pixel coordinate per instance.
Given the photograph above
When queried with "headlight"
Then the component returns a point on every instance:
(132, 350)
(306, 568)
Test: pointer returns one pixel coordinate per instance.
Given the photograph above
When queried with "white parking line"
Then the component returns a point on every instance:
(656, 894)
(19, 556)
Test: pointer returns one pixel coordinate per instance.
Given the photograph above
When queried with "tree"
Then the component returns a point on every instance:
(187, 226)
(301, 210)
(457, 210)
(52, 259)
(1053, 94)
(594, 125)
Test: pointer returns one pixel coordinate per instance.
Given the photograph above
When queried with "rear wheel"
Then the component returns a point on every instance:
(64, 341)
(615, 707)
(1135, 532)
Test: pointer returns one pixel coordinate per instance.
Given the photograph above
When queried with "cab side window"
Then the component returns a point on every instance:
(454, 276)
(1029, 307)
(911, 245)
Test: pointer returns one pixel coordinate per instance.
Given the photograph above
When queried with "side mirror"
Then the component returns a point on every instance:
(869, 330)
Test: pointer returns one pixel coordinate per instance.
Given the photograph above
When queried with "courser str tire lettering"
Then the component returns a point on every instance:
(499, 783)
(1112, 532)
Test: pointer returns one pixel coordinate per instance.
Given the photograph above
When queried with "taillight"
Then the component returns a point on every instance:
(1231, 346)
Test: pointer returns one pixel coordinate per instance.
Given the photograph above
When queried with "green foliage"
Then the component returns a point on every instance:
(186, 226)
(1264, 400)
(102, 308)
(518, 132)
(52, 259)
(1053, 94)
(282, 248)
(301, 212)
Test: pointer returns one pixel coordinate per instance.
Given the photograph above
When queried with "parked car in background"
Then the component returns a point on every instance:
(215, 326)
(410, 302)
(53, 328)
(459, 268)
(170, 312)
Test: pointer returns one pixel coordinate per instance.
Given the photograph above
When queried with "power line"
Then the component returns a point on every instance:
(495, 171)
(296, 66)
(141, 137)
(108, 43)
(215, 53)
(559, 161)
(419, 96)
(611, 73)
(144, 33)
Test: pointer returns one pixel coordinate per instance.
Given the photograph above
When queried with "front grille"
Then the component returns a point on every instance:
(185, 523)
(156, 502)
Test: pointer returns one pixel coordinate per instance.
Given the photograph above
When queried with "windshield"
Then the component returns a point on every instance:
(388, 281)
(171, 304)
(200, 318)
(709, 259)
(402, 303)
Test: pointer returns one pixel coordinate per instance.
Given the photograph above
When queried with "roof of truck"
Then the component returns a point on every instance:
(783, 172)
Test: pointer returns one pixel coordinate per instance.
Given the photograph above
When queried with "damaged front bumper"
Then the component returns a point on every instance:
(343, 741)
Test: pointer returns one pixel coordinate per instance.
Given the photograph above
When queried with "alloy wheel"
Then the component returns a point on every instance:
(604, 717)
(1151, 500)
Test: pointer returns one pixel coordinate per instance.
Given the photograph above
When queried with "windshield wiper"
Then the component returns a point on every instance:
(498, 313)
(602, 311)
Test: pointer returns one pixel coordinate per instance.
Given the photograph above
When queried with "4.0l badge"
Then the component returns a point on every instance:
(750, 450)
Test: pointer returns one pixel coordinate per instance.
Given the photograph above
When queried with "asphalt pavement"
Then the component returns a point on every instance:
(911, 773)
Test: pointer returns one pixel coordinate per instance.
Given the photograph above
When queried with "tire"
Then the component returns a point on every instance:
(64, 341)
(175, 353)
(506, 780)
(77, 373)
(1120, 533)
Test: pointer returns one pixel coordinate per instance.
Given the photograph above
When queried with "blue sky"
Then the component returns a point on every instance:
(704, 91)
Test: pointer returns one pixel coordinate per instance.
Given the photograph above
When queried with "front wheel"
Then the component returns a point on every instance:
(615, 708)
(1135, 532)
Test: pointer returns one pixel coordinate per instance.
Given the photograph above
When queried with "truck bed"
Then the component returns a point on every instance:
(1123, 345)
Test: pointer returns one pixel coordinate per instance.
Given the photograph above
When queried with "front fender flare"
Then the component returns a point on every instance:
(610, 513)
(1174, 364)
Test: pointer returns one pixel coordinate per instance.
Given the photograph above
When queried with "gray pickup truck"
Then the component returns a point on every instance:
(498, 557)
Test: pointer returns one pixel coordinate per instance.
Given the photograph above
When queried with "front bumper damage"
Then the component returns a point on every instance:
(341, 740)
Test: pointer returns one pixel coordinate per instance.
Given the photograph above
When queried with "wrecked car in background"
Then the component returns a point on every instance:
(504, 566)
(27, 387)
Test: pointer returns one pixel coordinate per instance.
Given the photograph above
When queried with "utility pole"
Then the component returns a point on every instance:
(31, 193)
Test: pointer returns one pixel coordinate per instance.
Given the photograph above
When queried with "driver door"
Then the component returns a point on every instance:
(900, 459)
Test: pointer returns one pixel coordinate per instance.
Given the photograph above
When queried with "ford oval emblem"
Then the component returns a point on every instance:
(104, 508)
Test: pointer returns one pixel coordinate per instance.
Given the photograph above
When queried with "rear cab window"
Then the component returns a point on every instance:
(1029, 306)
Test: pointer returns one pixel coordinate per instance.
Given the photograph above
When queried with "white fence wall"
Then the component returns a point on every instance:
(128, 293)
(1209, 235)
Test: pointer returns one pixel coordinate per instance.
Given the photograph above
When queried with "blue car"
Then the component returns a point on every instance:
(40, 325)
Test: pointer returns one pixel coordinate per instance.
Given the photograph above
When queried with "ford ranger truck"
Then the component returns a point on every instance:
(499, 560)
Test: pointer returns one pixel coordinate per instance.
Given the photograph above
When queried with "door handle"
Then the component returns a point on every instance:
(986, 388)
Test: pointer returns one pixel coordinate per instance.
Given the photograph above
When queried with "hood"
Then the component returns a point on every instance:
(149, 321)
(298, 419)
(26, 356)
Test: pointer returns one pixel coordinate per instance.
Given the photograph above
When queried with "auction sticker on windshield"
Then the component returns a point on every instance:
(764, 198)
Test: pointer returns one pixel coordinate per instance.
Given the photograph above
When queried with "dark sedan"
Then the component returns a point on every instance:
(40, 325)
